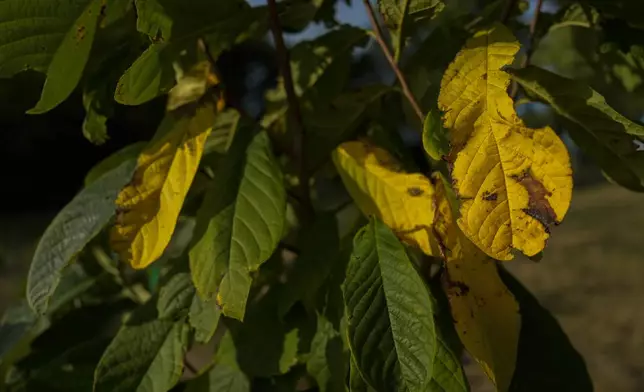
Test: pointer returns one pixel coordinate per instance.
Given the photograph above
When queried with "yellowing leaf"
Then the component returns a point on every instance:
(513, 182)
(148, 207)
(403, 201)
(486, 314)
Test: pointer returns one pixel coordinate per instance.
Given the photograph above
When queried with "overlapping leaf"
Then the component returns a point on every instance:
(486, 315)
(74, 226)
(394, 341)
(607, 136)
(403, 201)
(149, 206)
(144, 357)
(327, 362)
(55, 39)
(238, 225)
(513, 182)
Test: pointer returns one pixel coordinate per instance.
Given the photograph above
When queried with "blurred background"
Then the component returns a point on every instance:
(591, 273)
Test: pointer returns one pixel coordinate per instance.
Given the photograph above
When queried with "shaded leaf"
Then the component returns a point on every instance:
(74, 226)
(223, 132)
(204, 318)
(145, 357)
(320, 246)
(401, 17)
(513, 182)
(149, 205)
(486, 315)
(226, 375)
(175, 295)
(328, 361)
(435, 137)
(547, 360)
(389, 314)
(15, 325)
(598, 129)
(375, 181)
(127, 153)
(238, 226)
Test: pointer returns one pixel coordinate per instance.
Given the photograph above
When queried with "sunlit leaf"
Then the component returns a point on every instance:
(143, 357)
(148, 207)
(74, 226)
(239, 224)
(513, 182)
(390, 315)
(486, 315)
(598, 129)
(403, 201)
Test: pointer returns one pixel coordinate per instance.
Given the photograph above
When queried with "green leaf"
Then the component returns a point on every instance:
(152, 74)
(145, 357)
(16, 324)
(74, 226)
(328, 361)
(610, 138)
(226, 375)
(223, 131)
(356, 382)
(95, 122)
(402, 16)
(204, 318)
(435, 137)
(390, 311)
(238, 225)
(311, 61)
(52, 39)
(547, 360)
(68, 62)
(577, 15)
(320, 246)
(175, 295)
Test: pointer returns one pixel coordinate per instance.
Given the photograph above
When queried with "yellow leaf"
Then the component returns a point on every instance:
(376, 182)
(148, 207)
(513, 182)
(486, 314)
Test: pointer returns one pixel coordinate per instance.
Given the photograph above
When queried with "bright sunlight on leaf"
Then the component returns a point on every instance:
(513, 182)
(486, 315)
(149, 206)
(376, 182)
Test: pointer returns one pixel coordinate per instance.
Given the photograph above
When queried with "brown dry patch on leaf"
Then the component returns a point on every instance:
(538, 206)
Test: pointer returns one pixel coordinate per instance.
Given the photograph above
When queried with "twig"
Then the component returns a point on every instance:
(401, 37)
(284, 61)
(392, 62)
(530, 49)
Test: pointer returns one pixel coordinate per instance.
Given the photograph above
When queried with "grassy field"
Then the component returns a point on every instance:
(591, 278)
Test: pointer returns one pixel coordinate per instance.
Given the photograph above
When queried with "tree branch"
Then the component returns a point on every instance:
(383, 45)
(284, 64)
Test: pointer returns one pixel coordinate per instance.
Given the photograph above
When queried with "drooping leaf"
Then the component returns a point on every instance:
(238, 225)
(152, 74)
(513, 182)
(226, 376)
(150, 204)
(486, 315)
(320, 245)
(390, 316)
(74, 226)
(607, 136)
(435, 137)
(143, 357)
(402, 16)
(56, 40)
(403, 201)
(547, 360)
(328, 361)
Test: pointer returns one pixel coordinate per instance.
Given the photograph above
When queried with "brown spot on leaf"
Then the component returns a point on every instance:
(538, 206)
(415, 191)
(490, 196)
(80, 33)
(484, 76)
